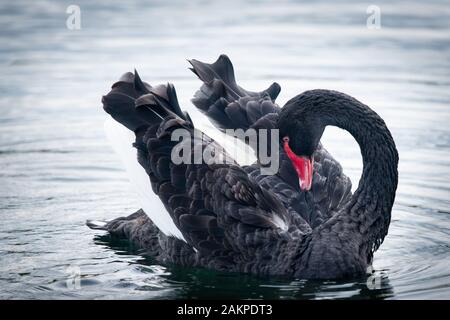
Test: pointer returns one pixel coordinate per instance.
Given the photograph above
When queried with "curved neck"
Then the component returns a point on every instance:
(380, 158)
(366, 215)
(369, 209)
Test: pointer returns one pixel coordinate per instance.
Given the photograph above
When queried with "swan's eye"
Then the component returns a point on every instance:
(286, 139)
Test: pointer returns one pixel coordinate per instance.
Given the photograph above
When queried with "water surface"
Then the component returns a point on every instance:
(57, 169)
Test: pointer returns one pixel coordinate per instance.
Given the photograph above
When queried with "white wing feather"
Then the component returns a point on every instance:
(121, 140)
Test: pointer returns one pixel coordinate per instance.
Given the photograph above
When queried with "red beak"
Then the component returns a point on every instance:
(303, 166)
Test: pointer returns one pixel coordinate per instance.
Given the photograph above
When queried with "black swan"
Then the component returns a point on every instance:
(302, 222)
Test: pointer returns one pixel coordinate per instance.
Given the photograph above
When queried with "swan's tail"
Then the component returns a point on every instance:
(97, 224)
(121, 226)
(136, 228)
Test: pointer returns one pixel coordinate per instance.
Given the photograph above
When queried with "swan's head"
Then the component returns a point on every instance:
(300, 133)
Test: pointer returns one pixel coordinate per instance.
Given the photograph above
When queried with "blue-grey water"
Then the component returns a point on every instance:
(57, 168)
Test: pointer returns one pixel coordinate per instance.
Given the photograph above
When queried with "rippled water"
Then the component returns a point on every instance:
(57, 169)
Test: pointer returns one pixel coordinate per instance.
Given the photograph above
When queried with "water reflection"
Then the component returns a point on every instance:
(201, 283)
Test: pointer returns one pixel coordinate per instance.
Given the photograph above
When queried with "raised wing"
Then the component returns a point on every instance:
(215, 206)
(226, 104)
(122, 140)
